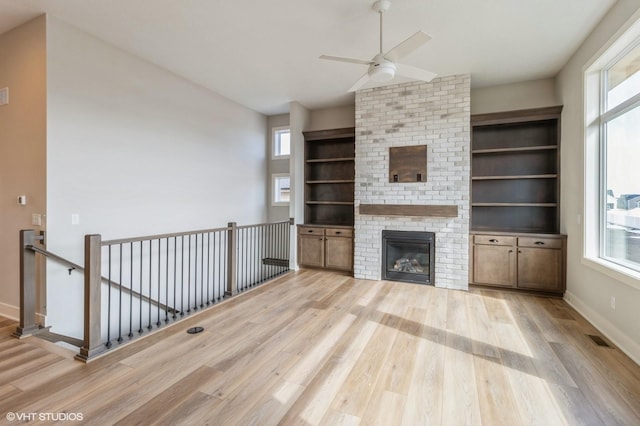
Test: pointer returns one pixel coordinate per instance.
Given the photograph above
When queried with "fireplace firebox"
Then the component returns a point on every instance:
(408, 256)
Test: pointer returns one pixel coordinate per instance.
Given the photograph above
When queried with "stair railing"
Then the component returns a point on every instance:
(168, 277)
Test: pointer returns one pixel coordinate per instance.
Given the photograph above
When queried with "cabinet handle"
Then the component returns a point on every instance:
(338, 232)
(493, 240)
(539, 243)
(519, 251)
(510, 251)
(310, 230)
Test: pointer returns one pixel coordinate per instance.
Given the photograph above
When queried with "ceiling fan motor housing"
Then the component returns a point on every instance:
(382, 71)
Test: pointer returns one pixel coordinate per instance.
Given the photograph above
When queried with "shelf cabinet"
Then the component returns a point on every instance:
(515, 171)
(521, 261)
(329, 177)
(325, 247)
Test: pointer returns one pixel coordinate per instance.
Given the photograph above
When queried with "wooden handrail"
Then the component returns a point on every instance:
(106, 280)
(159, 236)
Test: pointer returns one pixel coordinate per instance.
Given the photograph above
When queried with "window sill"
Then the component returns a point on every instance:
(617, 272)
(280, 157)
(275, 204)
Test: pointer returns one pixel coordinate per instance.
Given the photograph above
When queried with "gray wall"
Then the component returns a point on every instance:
(22, 148)
(589, 289)
(135, 150)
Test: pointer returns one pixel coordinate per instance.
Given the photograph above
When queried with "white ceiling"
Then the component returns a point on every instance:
(264, 54)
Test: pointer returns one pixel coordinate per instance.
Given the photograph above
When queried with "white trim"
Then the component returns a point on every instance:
(9, 311)
(617, 272)
(275, 176)
(274, 130)
(621, 340)
(595, 116)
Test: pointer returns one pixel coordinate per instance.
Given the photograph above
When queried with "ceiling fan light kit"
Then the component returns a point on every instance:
(383, 67)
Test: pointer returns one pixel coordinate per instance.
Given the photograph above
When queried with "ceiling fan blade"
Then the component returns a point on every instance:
(407, 46)
(361, 82)
(414, 73)
(340, 59)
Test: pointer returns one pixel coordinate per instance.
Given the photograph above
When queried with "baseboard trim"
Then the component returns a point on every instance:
(9, 311)
(13, 313)
(613, 333)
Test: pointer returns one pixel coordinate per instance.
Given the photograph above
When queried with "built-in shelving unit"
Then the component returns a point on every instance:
(329, 177)
(515, 183)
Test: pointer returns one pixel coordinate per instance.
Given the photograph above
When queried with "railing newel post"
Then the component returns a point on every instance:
(92, 344)
(28, 296)
(232, 267)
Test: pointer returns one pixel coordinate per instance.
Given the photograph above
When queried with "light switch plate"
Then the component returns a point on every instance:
(4, 96)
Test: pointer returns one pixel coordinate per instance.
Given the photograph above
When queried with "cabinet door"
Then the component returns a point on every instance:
(311, 251)
(494, 265)
(339, 253)
(540, 269)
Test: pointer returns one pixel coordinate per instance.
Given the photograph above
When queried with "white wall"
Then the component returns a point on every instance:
(136, 150)
(299, 121)
(514, 96)
(22, 148)
(588, 289)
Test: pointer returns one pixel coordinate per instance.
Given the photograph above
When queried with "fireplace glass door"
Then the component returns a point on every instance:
(408, 256)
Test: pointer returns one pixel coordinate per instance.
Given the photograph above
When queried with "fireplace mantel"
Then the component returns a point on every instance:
(415, 210)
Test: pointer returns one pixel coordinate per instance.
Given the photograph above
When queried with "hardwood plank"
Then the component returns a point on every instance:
(427, 380)
(321, 348)
(172, 397)
(460, 403)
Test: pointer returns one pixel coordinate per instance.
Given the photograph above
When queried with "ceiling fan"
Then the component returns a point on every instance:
(383, 67)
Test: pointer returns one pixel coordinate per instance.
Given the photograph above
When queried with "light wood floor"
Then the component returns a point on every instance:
(320, 348)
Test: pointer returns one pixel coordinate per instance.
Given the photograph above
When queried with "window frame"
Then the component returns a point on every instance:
(596, 118)
(274, 190)
(275, 140)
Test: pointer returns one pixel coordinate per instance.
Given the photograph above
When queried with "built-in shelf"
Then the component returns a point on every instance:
(514, 205)
(315, 182)
(515, 171)
(547, 176)
(329, 177)
(519, 149)
(330, 160)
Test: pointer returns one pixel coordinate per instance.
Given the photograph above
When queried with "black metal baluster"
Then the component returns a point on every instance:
(189, 277)
(210, 284)
(149, 326)
(182, 276)
(195, 276)
(120, 297)
(166, 283)
(109, 302)
(175, 270)
(202, 271)
(159, 280)
(140, 330)
(131, 287)
(220, 267)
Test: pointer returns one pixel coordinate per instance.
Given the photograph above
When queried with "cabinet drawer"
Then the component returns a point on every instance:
(496, 240)
(338, 232)
(308, 230)
(555, 243)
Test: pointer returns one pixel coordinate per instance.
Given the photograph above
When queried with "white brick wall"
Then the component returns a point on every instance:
(418, 113)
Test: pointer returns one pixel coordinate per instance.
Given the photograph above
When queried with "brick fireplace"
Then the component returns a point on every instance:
(434, 114)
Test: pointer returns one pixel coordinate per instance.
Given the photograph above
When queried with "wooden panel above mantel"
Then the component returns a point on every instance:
(413, 210)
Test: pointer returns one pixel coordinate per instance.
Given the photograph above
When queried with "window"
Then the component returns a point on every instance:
(281, 189)
(281, 142)
(616, 157)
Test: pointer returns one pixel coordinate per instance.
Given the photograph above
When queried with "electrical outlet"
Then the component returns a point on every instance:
(36, 219)
(75, 219)
(613, 302)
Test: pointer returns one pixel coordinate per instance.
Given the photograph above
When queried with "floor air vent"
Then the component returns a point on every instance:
(598, 340)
